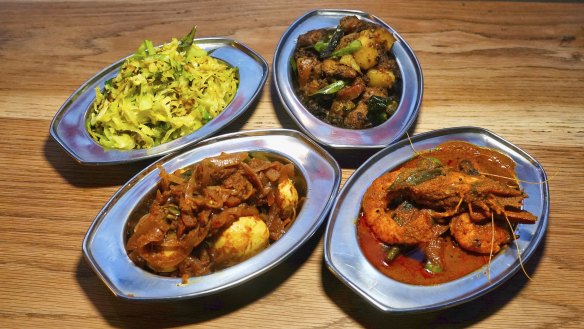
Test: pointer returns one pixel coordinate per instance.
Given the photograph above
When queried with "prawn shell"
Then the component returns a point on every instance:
(345, 260)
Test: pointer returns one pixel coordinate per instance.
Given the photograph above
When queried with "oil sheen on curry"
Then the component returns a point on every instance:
(442, 214)
(214, 214)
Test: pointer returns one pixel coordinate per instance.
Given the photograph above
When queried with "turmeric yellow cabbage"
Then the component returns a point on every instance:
(161, 94)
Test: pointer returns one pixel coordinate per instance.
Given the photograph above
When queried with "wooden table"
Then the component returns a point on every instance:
(513, 67)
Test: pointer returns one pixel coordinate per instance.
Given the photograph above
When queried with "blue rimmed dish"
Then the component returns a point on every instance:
(68, 125)
(345, 259)
(104, 242)
(332, 136)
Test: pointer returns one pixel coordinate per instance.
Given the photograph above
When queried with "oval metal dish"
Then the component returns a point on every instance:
(345, 259)
(68, 125)
(103, 246)
(329, 135)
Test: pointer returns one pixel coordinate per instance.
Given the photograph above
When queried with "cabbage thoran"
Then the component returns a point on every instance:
(161, 94)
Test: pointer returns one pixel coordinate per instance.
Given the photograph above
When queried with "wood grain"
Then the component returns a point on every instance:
(513, 67)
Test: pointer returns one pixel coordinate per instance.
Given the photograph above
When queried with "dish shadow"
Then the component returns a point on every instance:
(354, 158)
(282, 115)
(86, 176)
(460, 316)
(134, 314)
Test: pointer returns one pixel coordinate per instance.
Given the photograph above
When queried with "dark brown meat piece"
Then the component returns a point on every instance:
(351, 24)
(334, 68)
(357, 119)
(311, 37)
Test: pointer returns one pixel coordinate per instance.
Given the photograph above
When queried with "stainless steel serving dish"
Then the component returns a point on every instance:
(103, 246)
(345, 259)
(335, 137)
(68, 125)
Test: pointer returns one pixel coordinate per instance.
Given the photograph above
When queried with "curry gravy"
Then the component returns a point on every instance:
(408, 266)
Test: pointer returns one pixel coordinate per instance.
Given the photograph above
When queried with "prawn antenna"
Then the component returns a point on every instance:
(521, 180)
(492, 243)
(517, 246)
(412, 144)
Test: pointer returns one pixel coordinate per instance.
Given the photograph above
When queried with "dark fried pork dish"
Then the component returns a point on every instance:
(348, 76)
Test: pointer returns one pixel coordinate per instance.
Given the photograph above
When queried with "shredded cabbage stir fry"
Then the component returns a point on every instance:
(161, 94)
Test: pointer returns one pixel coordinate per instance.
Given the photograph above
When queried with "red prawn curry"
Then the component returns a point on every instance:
(442, 214)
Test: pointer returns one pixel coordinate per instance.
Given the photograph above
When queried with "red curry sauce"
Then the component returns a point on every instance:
(409, 268)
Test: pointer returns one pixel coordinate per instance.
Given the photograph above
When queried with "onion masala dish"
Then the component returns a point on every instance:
(161, 94)
(214, 214)
(441, 215)
(348, 76)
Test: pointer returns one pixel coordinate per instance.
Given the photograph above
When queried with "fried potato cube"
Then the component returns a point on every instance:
(349, 60)
(366, 56)
(379, 78)
(383, 36)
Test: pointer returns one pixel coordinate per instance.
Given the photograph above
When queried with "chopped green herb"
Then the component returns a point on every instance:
(320, 46)
(432, 268)
(330, 89)
(392, 253)
(348, 49)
